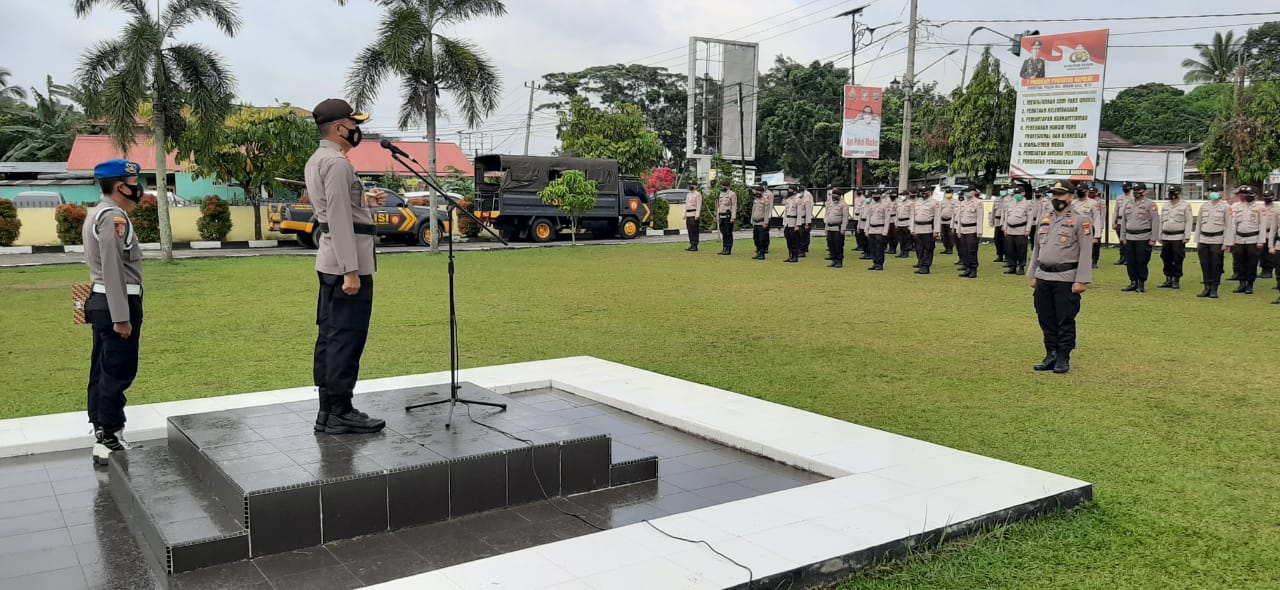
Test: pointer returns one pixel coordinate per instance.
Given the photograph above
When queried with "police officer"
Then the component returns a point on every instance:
(879, 220)
(727, 213)
(1095, 206)
(761, 211)
(947, 210)
(791, 226)
(969, 217)
(1273, 239)
(863, 243)
(1141, 222)
(1121, 202)
(1210, 233)
(114, 309)
(1244, 237)
(891, 202)
(855, 214)
(345, 265)
(806, 221)
(836, 218)
(1061, 273)
(1270, 215)
(693, 215)
(1175, 230)
(926, 226)
(1017, 227)
(902, 219)
(997, 222)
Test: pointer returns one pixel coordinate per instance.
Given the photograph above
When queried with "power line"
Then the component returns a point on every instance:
(768, 18)
(1098, 19)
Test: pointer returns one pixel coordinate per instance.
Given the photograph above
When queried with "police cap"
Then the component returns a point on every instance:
(1244, 190)
(1141, 186)
(1175, 190)
(116, 169)
(336, 109)
(1062, 187)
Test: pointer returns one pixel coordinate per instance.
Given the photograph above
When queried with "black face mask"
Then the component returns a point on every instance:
(1059, 205)
(1268, 199)
(354, 135)
(876, 199)
(134, 192)
(1250, 198)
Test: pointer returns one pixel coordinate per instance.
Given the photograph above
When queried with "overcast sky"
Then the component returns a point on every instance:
(299, 50)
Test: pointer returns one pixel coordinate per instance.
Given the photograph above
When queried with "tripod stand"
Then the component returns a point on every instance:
(454, 361)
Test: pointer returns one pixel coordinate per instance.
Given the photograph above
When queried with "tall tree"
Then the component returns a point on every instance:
(800, 113)
(254, 148)
(1217, 61)
(1158, 113)
(1262, 51)
(409, 45)
(1244, 140)
(982, 135)
(43, 133)
(619, 133)
(659, 94)
(7, 91)
(146, 63)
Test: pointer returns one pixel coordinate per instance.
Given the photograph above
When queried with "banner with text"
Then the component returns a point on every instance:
(1059, 106)
(862, 108)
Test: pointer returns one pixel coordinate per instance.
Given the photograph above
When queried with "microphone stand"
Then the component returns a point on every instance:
(454, 361)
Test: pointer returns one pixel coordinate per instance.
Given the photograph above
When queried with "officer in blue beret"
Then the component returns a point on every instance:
(114, 310)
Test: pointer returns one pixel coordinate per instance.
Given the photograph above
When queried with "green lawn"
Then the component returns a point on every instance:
(1170, 409)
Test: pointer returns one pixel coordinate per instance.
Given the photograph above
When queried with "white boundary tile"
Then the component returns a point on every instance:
(886, 487)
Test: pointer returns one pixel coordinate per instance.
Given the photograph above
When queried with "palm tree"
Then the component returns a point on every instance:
(1217, 61)
(7, 91)
(427, 62)
(45, 132)
(146, 64)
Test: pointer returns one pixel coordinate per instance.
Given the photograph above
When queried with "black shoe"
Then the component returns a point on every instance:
(1248, 287)
(1207, 289)
(758, 256)
(1121, 262)
(723, 253)
(792, 260)
(1022, 270)
(1213, 294)
(1239, 289)
(804, 254)
(105, 443)
(1167, 284)
(1266, 274)
(1063, 363)
(1142, 286)
(916, 265)
(322, 420)
(1276, 302)
(1133, 286)
(1177, 283)
(353, 422)
(1050, 359)
(864, 257)
(924, 270)
(837, 264)
(1095, 265)
(876, 267)
(1011, 271)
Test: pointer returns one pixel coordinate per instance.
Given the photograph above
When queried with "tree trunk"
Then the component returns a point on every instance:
(431, 144)
(162, 192)
(573, 228)
(254, 196)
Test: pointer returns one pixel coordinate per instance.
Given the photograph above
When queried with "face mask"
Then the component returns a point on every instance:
(1268, 199)
(961, 197)
(866, 200)
(877, 199)
(1059, 204)
(1017, 198)
(1250, 198)
(134, 192)
(354, 135)
(1215, 196)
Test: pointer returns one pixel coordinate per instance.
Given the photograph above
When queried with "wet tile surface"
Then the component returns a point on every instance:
(60, 528)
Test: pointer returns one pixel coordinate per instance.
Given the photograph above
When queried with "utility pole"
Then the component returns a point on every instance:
(855, 164)
(742, 136)
(909, 80)
(528, 122)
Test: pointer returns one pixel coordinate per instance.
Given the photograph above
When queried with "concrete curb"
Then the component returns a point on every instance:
(15, 250)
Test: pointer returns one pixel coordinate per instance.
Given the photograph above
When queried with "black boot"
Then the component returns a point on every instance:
(1207, 289)
(792, 259)
(1240, 289)
(1177, 283)
(1266, 274)
(876, 267)
(1142, 286)
(837, 264)
(1213, 293)
(1050, 359)
(1167, 284)
(1133, 286)
(1013, 270)
(924, 270)
(1063, 363)
(353, 421)
(1248, 287)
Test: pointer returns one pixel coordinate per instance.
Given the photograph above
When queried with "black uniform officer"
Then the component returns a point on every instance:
(114, 310)
(1061, 271)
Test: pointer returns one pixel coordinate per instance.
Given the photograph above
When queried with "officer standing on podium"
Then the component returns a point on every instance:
(114, 310)
(1061, 272)
(345, 264)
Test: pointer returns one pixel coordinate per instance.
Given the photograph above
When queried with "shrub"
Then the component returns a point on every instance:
(468, 227)
(215, 219)
(10, 225)
(70, 219)
(146, 220)
(661, 209)
(305, 199)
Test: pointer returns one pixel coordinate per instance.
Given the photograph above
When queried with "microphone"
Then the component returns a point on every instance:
(391, 147)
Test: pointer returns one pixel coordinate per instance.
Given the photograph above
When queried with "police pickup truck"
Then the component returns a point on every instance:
(507, 197)
(397, 221)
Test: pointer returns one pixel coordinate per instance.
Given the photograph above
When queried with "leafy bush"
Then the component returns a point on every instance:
(468, 227)
(146, 220)
(661, 209)
(392, 182)
(215, 219)
(10, 225)
(70, 218)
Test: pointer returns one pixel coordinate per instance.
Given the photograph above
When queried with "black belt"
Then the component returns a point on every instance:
(1141, 231)
(1017, 224)
(792, 216)
(1246, 234)
(1173, 233)
(360, 228)
(1059, 267)
(1211, 234)
(968, 225)
(930, 222)
(874, 225)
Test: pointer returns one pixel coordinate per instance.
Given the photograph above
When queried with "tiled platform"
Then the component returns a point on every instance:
(66, 528)
(889, 492)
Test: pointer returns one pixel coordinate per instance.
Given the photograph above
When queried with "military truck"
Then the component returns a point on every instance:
(397, 221)
(507, 197)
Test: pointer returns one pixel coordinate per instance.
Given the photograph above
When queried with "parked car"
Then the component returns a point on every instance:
(397, 221)
(174, 199)
(675, 196)
(38, 199)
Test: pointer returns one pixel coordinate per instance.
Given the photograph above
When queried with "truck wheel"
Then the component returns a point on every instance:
(541, 231)
(424, 234)
(310, 239)
(630, 228)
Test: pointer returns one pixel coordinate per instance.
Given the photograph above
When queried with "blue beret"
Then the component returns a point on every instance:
(116, 169)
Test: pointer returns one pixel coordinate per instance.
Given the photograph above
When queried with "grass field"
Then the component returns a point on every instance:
(1170, 410)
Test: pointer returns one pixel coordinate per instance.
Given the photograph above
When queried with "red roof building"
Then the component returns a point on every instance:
(90, 150)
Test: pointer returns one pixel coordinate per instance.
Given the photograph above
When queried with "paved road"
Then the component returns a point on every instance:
(289, 249)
